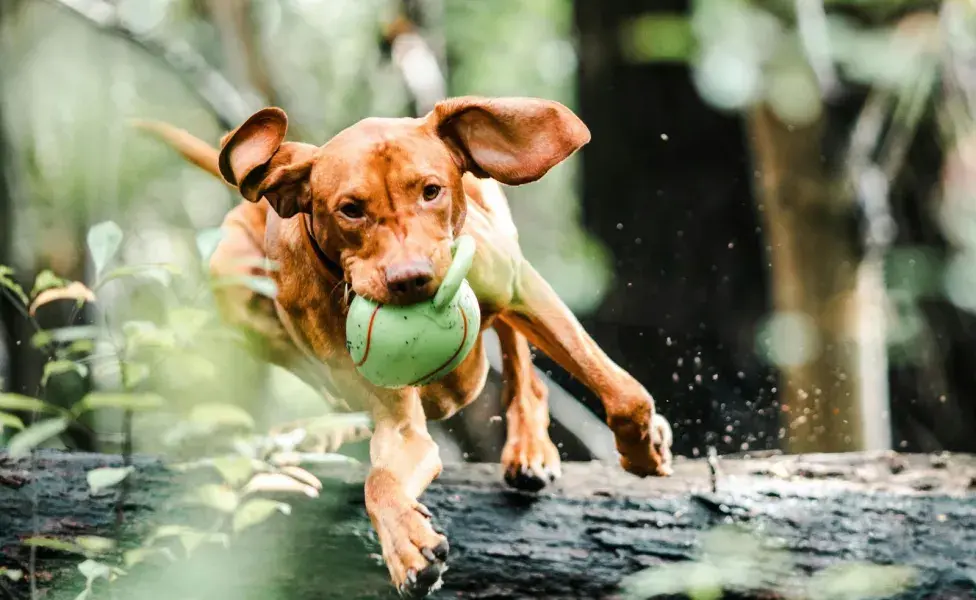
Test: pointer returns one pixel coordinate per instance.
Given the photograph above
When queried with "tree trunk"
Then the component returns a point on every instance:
(814, 260)
(579, 540)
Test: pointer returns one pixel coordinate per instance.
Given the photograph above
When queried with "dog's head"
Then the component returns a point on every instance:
(385, 195)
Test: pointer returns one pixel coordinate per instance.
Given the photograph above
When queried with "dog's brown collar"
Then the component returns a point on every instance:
(330, 266)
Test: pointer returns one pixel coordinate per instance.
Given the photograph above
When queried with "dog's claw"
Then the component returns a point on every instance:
(419, 585)
(527, 481)
(424, 510)
(442, 550)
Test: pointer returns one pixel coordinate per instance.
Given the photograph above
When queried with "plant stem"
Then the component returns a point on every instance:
(126, 447)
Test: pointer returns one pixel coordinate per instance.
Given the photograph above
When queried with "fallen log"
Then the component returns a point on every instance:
(580, 539)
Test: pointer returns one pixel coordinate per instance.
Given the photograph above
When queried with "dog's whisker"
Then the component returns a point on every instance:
(335, 288)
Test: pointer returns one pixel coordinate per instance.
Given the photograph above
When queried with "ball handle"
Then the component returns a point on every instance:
(463, 251)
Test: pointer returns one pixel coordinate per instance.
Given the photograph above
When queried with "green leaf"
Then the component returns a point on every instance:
(186, 322)
(65, 334)
(10, 421)
(140, 334)
(93, 544)
(854, 581)
(21, 444)
(81, 347)
(41, 339)
(160, 272)
(166, 531)
(192, 538)
(57, 367)
(262, 285)
(256, 511)
(216, 496)
(46, 280)
(54, 544)
(101, 479)
(135, 373)
(93, 570)
(104, 240)
(11, 574)
(27, 404)
(207, 242)
(235, 470)
(226, 415)
(7, 281)
(121, 401)
(186, 369)
(139, 555)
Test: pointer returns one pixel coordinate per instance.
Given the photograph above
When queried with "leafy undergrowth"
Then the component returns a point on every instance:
(159, 375)
(734, 561)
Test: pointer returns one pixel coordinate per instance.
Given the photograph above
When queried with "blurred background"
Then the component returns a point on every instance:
(773, 227)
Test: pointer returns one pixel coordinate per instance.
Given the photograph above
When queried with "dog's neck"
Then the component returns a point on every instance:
(330, 266)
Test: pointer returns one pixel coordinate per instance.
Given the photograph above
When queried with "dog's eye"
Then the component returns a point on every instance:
(351, 210)
(431, 192)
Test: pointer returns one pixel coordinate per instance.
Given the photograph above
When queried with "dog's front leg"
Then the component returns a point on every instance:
(643, 437)
(404, 461)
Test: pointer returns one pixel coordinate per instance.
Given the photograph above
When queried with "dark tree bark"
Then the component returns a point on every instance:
(577, 541)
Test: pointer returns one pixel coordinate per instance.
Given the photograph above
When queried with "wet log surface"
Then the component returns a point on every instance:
(577, 540)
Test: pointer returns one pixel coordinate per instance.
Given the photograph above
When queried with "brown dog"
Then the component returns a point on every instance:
(376, 209)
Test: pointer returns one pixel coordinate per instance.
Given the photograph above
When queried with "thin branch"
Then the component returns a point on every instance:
(17, 304)
(228, 105)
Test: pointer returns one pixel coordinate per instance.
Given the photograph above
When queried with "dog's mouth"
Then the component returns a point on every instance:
(379, 293)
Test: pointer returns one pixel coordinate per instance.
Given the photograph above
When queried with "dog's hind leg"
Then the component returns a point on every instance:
(529, 458)
(240, 254)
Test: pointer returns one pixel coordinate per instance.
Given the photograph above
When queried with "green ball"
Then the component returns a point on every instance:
(395, 346)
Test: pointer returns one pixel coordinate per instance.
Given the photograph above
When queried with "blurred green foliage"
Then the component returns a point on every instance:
(733, 559)
(165, 372)
(69, 89)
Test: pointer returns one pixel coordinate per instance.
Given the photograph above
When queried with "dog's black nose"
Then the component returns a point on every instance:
(410, 281)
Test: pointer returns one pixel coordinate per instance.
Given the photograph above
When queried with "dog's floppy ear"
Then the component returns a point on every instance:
(256, 158)
(512, 140)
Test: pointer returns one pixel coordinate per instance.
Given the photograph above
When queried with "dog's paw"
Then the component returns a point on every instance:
(652, 459)
(415, 554)
(530, 462)
(662, 438)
